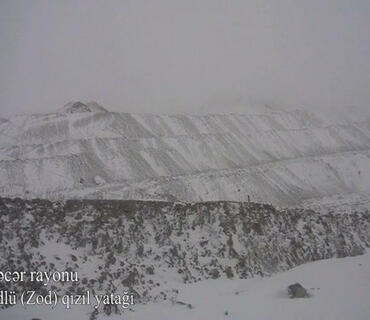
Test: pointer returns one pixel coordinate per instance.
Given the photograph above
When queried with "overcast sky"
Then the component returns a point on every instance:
(189, 56)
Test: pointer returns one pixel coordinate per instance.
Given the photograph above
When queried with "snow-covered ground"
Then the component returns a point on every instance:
(339, 289)
(347, 203)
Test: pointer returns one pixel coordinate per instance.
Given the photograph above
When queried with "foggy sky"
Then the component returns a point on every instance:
(189, 56)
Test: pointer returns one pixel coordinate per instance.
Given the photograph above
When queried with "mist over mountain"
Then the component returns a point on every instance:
(188, 160)
(284, 157)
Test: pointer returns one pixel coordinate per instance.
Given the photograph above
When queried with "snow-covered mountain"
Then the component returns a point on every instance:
(276, 156)
(79, 107)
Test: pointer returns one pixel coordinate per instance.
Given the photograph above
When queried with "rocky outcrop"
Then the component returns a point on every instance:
(79, 107)
(150, 247)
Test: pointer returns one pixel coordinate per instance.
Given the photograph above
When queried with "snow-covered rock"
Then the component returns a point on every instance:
(79, 107)
(149, 248)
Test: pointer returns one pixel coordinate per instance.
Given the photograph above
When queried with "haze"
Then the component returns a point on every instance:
(183, 56)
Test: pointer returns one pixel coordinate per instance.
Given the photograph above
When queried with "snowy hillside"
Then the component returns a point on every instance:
(275, 156)
(339, 288)
(152, 249)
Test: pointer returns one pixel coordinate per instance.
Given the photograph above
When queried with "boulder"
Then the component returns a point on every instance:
(297, 291)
